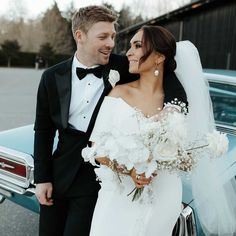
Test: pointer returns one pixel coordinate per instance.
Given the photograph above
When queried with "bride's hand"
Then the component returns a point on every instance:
(139, 179)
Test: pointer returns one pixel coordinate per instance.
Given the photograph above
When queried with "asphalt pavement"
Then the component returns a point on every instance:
(18, 89)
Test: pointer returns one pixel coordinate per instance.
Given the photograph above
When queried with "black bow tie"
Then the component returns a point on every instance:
(81, 72)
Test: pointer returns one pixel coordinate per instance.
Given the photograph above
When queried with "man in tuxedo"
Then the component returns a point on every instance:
(68, 100)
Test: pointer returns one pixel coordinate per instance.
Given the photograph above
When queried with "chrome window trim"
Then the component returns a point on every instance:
(226, 80)
(221, 79)
(226, 128)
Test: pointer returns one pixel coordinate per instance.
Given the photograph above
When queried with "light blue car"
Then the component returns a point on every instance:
(16, 159)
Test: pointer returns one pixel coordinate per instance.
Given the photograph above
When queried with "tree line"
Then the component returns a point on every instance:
(49, 35)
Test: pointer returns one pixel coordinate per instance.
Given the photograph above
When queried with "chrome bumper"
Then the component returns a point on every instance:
(186, 225)
(12, 188)
(2, 198)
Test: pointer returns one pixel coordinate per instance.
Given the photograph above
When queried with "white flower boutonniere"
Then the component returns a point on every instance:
(114, 77)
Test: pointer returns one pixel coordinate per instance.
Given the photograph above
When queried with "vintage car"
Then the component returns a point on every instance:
(16, 159)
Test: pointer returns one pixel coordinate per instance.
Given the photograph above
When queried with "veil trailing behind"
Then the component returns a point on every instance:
(213, 180)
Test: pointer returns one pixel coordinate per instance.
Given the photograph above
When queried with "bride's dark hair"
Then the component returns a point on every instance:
(159, 39)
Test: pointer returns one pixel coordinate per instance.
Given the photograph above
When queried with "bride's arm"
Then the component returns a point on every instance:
(113, 165)
(139, 179)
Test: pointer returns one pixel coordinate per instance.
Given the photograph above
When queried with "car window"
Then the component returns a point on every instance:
(224, 103)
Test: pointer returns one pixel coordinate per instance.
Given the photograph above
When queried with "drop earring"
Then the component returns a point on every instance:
(156, 71)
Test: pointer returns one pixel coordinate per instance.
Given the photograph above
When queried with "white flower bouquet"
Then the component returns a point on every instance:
(160, 144)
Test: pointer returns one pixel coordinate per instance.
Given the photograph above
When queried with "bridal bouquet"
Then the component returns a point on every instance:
(161, 143)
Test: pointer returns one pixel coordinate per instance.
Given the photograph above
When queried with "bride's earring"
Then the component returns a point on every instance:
(156, 71)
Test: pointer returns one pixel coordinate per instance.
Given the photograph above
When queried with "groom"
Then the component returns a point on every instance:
(68, 100)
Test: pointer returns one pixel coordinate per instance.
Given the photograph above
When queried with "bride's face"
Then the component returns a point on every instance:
(135, 53)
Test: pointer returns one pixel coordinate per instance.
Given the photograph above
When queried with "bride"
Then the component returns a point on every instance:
(152, 56)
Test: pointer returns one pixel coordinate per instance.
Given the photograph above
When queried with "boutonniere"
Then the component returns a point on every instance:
(114, 77)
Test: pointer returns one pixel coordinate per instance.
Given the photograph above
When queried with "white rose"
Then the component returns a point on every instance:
(88, 154)
(218, 143)
(114, 77)
(177, 128)
(165, 152)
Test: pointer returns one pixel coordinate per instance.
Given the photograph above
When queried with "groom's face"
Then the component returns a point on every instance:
(96, 45)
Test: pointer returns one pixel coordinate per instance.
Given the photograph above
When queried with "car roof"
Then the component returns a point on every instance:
(231, 73)
(220, 76)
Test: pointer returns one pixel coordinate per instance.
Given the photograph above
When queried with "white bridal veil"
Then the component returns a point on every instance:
(213, 181)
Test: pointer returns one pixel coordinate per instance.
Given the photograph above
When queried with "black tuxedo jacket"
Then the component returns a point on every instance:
(65, 167)
(52, 111)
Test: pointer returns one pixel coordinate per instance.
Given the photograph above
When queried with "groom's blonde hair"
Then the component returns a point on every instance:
(86, 17)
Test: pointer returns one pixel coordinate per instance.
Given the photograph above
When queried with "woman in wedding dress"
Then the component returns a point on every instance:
(151, 55)
(125, 111)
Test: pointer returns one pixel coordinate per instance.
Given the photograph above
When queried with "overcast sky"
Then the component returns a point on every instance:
(33, 8)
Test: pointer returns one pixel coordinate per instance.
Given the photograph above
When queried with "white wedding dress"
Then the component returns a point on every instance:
(115, 213)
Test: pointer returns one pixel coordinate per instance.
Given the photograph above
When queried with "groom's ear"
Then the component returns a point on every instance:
(79, 35)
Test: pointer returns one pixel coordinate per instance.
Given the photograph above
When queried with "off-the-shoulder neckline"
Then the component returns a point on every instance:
(136, 109)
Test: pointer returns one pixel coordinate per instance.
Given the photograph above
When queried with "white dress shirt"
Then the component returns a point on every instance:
(84, 97)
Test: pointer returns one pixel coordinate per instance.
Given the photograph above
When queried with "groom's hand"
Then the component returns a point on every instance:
(44, 193)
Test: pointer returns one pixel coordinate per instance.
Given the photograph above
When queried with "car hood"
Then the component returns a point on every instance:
(20, 139)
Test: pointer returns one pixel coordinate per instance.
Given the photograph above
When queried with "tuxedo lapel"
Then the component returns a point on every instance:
(63, 83)
(107, 84)
(106, 90)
